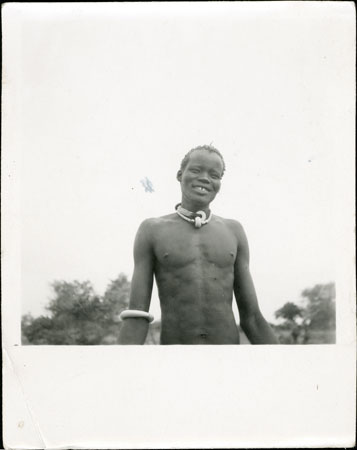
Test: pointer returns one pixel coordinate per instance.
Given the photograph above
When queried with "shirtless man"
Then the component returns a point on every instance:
(198, 263)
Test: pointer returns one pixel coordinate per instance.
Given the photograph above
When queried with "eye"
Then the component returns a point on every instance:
(194, 170)
(215, 176)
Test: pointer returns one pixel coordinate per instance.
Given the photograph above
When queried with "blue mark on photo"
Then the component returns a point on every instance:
(147, 185)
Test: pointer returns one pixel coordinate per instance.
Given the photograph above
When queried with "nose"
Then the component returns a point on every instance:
(203, 178)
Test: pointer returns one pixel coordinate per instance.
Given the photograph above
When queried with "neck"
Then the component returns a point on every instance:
(194, 207)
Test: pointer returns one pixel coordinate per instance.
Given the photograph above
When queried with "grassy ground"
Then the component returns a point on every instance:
(322, 337)
(314, 337)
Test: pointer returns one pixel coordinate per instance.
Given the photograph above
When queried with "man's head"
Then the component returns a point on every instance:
(206, 148)
(200, 176)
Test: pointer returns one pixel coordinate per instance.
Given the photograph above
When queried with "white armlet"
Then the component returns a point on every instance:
(136, 313)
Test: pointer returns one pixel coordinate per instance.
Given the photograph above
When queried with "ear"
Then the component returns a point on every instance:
(179, 175)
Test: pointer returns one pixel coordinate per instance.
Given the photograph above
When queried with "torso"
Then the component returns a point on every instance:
(194, 271)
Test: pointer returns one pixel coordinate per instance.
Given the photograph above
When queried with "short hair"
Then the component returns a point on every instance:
(208, 148)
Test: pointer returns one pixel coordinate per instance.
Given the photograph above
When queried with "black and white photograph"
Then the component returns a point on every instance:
(178, 263)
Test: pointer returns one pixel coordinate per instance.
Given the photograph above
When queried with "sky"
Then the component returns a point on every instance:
(112, 94)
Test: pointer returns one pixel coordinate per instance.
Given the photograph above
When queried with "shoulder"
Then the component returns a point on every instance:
(231, 224)
(236, 229)
(148, 227)
(144, 232)
(155, 222)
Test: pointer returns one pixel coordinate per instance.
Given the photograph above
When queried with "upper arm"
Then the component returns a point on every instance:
(244, 290)
(142, 280)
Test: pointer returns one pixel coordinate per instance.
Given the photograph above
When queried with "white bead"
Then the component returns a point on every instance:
(202, 214)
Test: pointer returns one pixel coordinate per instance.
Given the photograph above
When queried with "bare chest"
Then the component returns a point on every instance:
(185, 245)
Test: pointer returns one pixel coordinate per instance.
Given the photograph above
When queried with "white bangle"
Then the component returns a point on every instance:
(136, 313)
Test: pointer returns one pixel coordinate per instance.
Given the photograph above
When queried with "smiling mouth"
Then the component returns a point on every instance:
(200, 189)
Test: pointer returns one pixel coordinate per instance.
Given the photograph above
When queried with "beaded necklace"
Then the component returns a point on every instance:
(198, 218)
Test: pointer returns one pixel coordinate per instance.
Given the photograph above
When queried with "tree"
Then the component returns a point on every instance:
(318, 315)
(115, 300)
(34, 329)
(289, 312)
(320, 310)
(117, 294)
(78, 316)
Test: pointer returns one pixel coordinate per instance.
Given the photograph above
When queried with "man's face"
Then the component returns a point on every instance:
(201, 178)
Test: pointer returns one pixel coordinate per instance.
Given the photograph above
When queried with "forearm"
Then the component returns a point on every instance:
(133, 331)
(258, 331)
